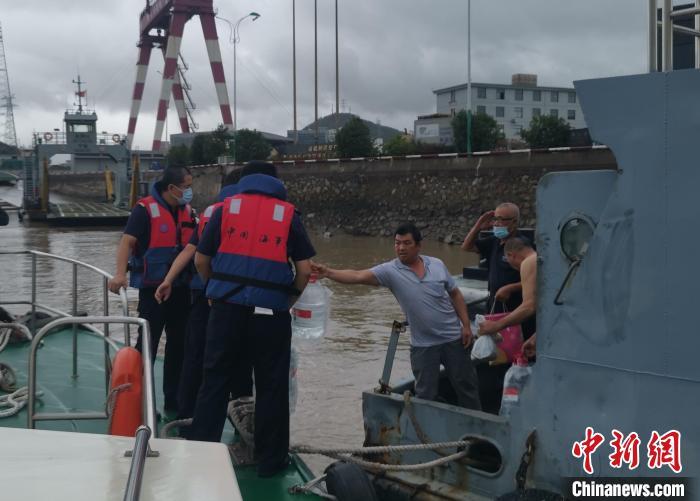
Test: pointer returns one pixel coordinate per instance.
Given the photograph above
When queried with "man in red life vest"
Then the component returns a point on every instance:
(245, 253)
(159, 227)
(195, 337)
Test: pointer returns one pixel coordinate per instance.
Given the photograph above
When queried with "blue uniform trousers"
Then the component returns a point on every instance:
(171, 315)
(195, 341)
(237, 336)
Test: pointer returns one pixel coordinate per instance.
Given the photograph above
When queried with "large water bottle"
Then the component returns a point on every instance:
(310, 312)
(513, 384)
(293, 379)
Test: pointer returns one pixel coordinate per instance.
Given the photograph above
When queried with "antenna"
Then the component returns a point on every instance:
(6, 98)
(81, 94)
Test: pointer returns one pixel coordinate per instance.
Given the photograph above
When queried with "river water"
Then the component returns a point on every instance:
(333, 371)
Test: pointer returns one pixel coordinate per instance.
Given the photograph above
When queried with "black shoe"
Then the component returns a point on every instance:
(266, 471)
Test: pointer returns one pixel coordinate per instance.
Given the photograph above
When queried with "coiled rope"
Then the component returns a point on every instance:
(15, 401)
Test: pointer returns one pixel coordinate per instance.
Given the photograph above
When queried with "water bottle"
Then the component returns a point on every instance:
(310, 312)
(513, 383)
(293, 384)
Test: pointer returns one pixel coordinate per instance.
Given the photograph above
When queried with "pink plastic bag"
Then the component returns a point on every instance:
(512, 342)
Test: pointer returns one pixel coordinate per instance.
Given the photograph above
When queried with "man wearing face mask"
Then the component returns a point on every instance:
(504, 287)
(159, 227)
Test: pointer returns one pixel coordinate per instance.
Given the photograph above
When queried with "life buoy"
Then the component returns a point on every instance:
(116, 138)
(126, 390)
(48, 136)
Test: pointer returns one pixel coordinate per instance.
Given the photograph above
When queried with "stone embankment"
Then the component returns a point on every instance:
(443, 196)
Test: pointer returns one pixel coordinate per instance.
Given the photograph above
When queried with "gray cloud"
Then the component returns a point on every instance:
(393, 54)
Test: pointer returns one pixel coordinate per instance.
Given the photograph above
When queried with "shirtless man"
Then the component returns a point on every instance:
(522, 257)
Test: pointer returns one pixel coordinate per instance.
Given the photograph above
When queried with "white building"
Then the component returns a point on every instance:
(512, 106)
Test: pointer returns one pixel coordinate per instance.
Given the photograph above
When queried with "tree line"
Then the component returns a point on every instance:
(354, 140)
(243, 145)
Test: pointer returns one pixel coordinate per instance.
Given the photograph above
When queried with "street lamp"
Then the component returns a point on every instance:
(234, 38)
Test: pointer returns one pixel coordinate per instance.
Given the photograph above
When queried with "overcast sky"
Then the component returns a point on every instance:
(393, 54)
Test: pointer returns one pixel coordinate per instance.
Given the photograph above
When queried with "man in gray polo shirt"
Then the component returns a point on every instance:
(436, 313)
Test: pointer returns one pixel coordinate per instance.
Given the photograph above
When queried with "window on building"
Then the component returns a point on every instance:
(536, 112)
(481, 109)
(555, 96)
(500, 94)
(554, 113)
(572, 97)
(537, 95)
(571, 114)
(518, 129)
(481, 92)
(452, 96)
(518, 94)
(500, 111)
(518, 112)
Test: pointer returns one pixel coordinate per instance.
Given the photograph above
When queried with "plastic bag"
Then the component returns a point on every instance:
(511, 343)
(484, 349)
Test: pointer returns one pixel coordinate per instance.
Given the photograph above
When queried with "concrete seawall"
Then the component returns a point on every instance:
(443, 196)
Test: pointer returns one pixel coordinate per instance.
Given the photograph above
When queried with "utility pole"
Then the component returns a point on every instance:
(337, 77)
(10, 133)
(316, 69)
(294, 67)
(469, 77)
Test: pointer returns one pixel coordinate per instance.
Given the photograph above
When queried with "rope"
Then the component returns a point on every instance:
(344, 454)
(174, 424)
(241, 412)
(402, 467)
(112, 399)
(312, 487)
(14, 402)
(381, 449)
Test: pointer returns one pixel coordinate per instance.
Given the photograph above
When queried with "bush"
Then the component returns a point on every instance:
(547, 131)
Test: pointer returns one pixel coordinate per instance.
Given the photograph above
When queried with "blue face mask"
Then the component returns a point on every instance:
(186, 196)
(500, 232)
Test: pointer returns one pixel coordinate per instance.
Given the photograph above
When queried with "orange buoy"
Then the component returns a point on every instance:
(126, 392)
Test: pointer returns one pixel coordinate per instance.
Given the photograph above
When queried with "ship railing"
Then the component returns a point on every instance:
(36, 305)
(149, 406)
(143, 433)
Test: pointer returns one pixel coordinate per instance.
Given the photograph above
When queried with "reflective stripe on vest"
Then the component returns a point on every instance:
(254, 233)
(150, 268)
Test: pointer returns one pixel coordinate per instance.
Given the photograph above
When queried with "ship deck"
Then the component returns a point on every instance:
(63, 393)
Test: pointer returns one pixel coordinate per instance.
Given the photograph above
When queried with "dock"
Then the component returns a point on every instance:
(86, 214)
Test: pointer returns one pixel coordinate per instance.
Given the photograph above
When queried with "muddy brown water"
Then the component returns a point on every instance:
(333, 371)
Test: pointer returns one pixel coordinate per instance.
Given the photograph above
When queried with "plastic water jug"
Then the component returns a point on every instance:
(293, 380)
(513, 384)
(310, 312)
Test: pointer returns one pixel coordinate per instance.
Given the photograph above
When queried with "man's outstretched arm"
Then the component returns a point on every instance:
(365, 277)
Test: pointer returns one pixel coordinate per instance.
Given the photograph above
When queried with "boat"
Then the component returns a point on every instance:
(90, 152)
(611, 405)
(56, 404)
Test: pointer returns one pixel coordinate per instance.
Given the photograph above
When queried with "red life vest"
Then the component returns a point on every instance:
(251, 266)
(197, 282)
(149, 267)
